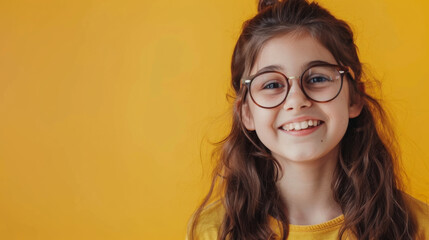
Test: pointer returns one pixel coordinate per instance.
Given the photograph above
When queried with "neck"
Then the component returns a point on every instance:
(305, 188)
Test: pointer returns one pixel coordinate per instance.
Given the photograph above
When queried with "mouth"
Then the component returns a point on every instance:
(302, 125)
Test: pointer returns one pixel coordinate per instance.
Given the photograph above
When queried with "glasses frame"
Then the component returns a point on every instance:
(342, 70)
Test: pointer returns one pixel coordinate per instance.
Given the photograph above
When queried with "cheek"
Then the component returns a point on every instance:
(340, 117)
(264, 121)
(265, 124)
(341, 107)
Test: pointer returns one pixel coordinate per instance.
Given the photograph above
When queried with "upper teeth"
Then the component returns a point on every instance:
(300, 125)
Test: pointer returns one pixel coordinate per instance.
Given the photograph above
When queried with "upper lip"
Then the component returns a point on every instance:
(300, 119)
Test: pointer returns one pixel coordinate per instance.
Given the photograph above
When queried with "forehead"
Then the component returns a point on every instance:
(292, 52)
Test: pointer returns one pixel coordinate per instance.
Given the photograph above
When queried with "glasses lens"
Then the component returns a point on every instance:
(269, 89)
(321, 83)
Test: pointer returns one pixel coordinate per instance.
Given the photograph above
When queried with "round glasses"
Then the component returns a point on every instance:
(319, 83)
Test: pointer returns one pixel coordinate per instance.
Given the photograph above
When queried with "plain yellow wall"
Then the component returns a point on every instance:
(106, 107)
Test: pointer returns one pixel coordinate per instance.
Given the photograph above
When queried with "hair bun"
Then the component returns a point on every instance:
(265, 3)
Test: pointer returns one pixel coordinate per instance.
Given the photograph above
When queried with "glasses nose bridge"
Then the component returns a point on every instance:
(296, 98)
(298, 81)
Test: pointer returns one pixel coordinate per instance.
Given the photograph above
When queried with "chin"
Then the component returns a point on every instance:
(297, 158)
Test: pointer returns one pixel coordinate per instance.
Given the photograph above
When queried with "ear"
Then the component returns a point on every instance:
(355, 107)
(247, 117)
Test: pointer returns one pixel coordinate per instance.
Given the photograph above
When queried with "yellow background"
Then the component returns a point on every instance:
(106, 107)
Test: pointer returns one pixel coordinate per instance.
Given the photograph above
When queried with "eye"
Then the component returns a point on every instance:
(273, 85)
(269, 83)
(318, 79)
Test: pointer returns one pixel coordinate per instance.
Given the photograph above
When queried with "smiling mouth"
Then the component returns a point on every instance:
(298, 126)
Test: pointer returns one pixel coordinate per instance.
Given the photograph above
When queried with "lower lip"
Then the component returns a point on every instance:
(302, 132)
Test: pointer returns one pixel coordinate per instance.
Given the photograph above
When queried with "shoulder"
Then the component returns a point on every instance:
(421, 212)
(209, 221)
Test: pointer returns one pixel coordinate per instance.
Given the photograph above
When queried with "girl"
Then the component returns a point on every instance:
(310, 154)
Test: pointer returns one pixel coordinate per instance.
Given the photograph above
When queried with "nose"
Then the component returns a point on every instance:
(296, 98)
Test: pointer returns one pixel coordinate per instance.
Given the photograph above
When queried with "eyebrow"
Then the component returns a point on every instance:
(279, 68)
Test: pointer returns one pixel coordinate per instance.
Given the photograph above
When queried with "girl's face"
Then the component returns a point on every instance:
(291, 53)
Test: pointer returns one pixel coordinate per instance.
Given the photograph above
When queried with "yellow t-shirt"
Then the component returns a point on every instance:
(211, 220)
